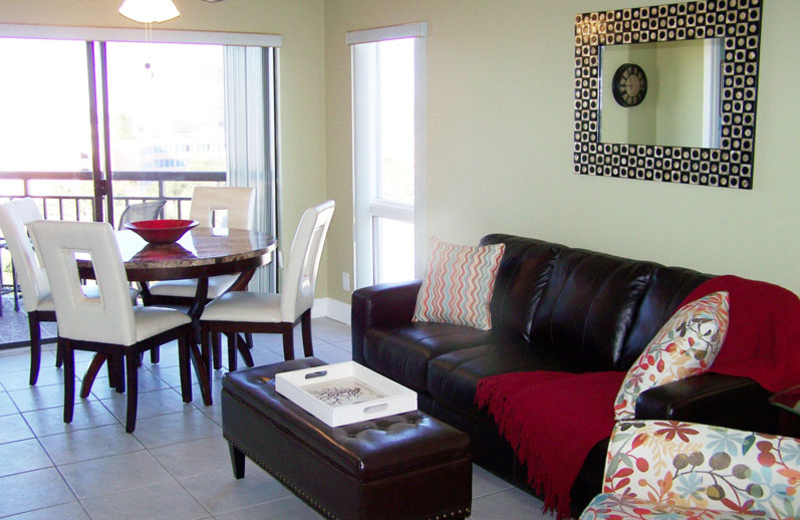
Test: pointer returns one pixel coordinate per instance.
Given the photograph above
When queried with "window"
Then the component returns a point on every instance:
(95, 118)
(388, 122)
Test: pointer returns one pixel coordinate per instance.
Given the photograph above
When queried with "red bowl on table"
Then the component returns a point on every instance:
(163, 231)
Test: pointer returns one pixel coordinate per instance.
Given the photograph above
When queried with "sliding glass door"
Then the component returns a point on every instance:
(89, 127)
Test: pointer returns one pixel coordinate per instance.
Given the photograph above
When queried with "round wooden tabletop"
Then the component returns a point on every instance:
(200, 253)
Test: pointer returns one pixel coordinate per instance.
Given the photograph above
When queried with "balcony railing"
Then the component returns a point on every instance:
(71, 206)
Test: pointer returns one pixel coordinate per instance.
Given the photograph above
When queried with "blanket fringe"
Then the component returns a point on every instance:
(512, 428)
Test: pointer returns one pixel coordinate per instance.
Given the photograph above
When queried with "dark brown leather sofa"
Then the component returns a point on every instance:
(553, 308)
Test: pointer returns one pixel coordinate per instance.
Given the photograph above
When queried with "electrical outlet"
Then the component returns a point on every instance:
(346, 281)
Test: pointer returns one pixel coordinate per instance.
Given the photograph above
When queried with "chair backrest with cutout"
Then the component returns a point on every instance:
(14, 216)
(238, 202)
(107, 318)
(300, 276)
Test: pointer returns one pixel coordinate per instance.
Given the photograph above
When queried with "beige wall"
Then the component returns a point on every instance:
(500, 131)
(301, 86)
(500, 87)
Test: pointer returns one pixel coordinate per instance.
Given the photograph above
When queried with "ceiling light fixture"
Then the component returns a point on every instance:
(149, 11)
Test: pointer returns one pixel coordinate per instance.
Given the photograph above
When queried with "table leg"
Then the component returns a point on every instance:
(202, 368)
(91, 374)
(201, 360)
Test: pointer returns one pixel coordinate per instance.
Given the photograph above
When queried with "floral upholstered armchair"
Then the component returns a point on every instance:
(675, 470)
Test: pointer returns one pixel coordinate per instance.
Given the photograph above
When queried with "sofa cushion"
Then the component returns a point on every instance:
(523, 275)
(402, 352)
(589, 306)
(669, 286)
(685, 346)
(453, 377)
(458, 286)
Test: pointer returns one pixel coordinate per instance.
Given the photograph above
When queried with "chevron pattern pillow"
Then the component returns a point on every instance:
(459, 284)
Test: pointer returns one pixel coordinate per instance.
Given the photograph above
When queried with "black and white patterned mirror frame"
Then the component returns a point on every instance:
(731, 165)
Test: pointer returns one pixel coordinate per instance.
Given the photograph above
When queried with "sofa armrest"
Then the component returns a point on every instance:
(730, 401)
(382, 304)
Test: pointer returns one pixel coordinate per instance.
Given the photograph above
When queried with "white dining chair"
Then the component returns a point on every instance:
(256, 312)
(15, 215)
(107, 323)
(206, 203)
(223, 207)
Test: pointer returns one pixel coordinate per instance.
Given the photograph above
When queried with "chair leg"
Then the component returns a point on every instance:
(69, 379)
(36, 346)
(244, 349)
(116, 372)
(91, 373)
(155, 355)
(206, 333)
(237, 461)
(287, 330)
(59, 355)
(305, 325)
(131, 373)
(233, 341)
(186, 373)
(216, 341)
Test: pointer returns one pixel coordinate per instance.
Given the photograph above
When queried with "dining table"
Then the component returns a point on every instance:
(201, 253)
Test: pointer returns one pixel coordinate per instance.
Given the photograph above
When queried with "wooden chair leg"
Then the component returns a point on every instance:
(305, 325)
(69, 379)
(243, 347)
(237, 461)
(206, 333)
(217, 344)
(287, 330)
(116, 372)
(59, 355)
(36, 347)
(185, 371)
(131, 373)
(91, 373)
(233, 341)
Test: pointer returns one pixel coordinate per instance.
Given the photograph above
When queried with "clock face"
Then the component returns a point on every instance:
(629, 85)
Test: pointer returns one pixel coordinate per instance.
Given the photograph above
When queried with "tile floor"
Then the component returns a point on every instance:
(175, 465)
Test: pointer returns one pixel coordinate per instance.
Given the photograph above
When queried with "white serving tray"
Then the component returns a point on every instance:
(345, 393)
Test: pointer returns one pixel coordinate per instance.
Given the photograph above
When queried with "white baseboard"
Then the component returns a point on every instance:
(330, 308)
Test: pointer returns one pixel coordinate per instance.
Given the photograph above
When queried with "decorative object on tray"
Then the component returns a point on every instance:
(161, 231)
(345, 393)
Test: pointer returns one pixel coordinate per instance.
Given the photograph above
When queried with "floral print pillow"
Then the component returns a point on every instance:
(685, 346)
(671, 470)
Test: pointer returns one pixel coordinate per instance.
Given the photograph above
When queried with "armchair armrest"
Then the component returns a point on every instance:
(730, 401)
(686, 470)
(380, 305)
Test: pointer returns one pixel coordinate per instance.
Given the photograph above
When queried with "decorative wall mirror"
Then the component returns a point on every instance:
(668, 93)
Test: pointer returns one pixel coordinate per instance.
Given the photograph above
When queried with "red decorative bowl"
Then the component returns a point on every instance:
(161, 231)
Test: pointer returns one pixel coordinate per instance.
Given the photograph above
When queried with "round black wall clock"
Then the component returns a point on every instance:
(629, 85)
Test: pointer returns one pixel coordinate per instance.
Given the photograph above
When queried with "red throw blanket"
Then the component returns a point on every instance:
(764, 332)
(553, 419)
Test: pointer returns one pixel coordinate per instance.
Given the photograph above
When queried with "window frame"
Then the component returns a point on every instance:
(367, 206)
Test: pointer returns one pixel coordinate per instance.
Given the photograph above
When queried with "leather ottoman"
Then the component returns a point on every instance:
(403, 467)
